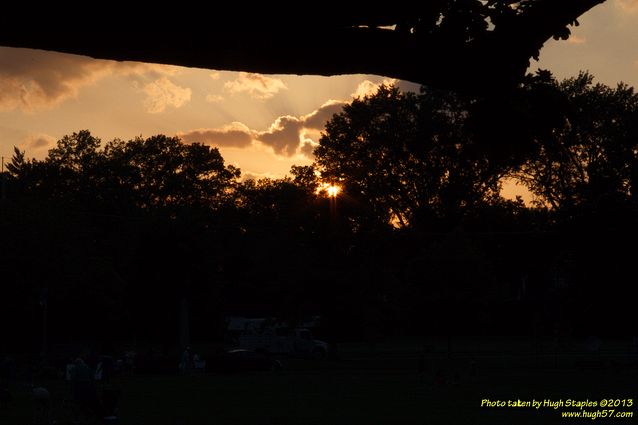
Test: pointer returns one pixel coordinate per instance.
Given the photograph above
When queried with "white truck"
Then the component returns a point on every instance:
(277, 338)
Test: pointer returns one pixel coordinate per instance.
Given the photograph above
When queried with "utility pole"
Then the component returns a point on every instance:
(184, 323)
(4, 182)
(44, 303)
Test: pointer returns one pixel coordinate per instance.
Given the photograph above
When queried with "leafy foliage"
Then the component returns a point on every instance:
(407, 158)
(590, 157)
(157, 173)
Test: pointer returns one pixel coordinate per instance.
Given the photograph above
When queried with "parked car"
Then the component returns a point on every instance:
(242, 360)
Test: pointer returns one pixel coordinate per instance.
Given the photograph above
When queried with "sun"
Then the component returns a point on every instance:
(333, 191)
(329, 189)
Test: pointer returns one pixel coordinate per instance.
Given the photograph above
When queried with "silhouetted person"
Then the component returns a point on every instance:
(185, 361)
(456, 379)
(4, 368)
(199, 364)
(473, 367)
(110, 402)
(129, 362)
(104, 370)
(440, 378)
(41, 406)
(422, 365)
(84, 390)
(5, 396)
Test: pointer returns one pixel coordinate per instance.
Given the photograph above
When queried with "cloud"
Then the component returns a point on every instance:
(317, 120)
(630, 6)
(235, 135)
(256, 85)
(249, 175)
(214, 98)
(41, 142)
(32, 80)
(574, 39)
(368, 88)
(307, 148)
(163, 93)
(283, 136)
(37, 145)
(286, 136)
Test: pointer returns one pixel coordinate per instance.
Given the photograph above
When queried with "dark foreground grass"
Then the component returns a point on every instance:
(336, 396)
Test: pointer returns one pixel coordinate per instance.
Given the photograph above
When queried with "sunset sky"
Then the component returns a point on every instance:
(261, 123)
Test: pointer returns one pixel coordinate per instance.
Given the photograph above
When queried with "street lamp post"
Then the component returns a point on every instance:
(45, 313)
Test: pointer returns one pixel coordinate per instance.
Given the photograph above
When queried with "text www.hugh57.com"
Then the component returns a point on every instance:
(596, 414)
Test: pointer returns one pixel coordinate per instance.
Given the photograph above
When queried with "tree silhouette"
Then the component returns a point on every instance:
(589, 158)
(407, 158)
(120, 232)
(156, 173)
(107, 229)
(163, 172)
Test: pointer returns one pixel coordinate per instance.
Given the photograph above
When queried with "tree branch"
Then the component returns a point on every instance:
(327, 43)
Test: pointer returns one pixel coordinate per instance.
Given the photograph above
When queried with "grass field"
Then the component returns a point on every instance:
(331, 393)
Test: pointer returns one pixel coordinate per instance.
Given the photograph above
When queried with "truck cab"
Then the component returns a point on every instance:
(283, 340)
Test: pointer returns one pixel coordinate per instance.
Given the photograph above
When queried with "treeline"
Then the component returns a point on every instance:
(112, 236)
